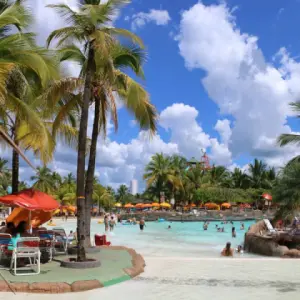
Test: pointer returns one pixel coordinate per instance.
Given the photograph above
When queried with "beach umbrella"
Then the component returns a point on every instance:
(128, 205)
(118, 205)
(154, 204)
(226, 205)
(165, 205)
(267, 196)
(147, 206)
(31, 205)
(211, 205)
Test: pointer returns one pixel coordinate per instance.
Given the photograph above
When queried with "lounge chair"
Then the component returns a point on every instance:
(269, 226)
(27, 249)
(5, 253)
(61, 240)
(47, 244)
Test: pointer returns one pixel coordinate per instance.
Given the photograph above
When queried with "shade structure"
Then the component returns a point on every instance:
(139, 205)
(118, 205)
(154, 204)
(38, 217)
(71, 209)
(226, 205)
(147, 206)
(30, 199)
(165, 205)
(267, 197)
(129, 205)
(213, 206)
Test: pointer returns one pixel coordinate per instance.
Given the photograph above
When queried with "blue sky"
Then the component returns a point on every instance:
(221, 74)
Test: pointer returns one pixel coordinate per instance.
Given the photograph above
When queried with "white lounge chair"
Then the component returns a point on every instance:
(269, 226)
(27, 249)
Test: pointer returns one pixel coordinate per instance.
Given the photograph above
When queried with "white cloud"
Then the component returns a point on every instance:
(239, 79)
(180, 119)
(223, 128)
(159, 17)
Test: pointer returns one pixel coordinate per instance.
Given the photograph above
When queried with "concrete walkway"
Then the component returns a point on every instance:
(111, 271)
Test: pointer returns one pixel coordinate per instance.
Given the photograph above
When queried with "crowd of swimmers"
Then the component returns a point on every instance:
(227, 251)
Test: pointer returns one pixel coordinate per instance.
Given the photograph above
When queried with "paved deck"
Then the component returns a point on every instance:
(114, 263)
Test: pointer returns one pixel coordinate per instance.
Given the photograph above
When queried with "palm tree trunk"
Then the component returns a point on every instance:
(90, 174)
(80, 193)
(15, 171)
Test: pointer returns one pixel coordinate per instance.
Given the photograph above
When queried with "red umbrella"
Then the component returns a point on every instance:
(33, 205)
(267, 196)
(30, 199)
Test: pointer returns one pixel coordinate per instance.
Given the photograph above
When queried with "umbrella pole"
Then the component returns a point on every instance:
(30, 226)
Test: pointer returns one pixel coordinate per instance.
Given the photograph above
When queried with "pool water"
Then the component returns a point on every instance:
(182, 238)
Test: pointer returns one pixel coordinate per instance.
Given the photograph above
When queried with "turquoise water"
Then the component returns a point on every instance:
(157, 240)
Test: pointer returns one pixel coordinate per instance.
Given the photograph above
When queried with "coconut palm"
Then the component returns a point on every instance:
(159, 173)
(122, 192)
(289, 138)
(3, 167)
(257, 174)
(43, 180)
(30, 70)
(218, 175)
(286, 191)
(88, 25)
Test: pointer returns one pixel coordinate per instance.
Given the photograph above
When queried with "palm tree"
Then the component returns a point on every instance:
(159, 173)
(30, 69)
(286, 191)
(287, 139)
(218, 175)
(88, 25)
(122, 192)
(258, 175)
(239, 179)
(43, 180)
(3, 167)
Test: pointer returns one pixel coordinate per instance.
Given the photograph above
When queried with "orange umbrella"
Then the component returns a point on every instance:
(147, 206)
(212, 206)
(38, 217)
(193, 205)
(30, 199)
(139, 205)
(226, 205)
(32, 205)
(154, 204)
(129, 205)
(71, 208)
(267, 197)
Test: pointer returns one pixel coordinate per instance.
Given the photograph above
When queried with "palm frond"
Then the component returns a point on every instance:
(285, 139)
(123, 33)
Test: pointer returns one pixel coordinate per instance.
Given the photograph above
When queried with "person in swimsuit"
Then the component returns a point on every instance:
(106, 222)
(112, 223)
(233, 233)
(142, 224)
(227, 251)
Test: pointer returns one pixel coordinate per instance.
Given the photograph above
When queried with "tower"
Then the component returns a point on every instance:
(134, 186)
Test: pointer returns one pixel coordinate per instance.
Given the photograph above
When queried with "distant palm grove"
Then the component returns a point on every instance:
(41, 107)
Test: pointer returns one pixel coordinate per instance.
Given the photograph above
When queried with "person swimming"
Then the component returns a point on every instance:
(227, 251)
(169, 227)
(205, 226)
(242, 226)
(239, 249)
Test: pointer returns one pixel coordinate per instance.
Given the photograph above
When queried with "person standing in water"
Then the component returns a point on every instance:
(142, 224)
(233, 233)
(106, 222)
(112, 223)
